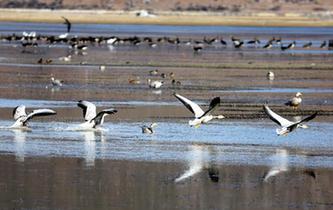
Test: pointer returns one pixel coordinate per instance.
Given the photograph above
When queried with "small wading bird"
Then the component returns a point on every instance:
(56, 82)
(289, 46)
(22, 118)
(89, 114)
(270, 75)
(148, 129)
(295, 101)
(287, 126)
(154, 83)
(200, 116)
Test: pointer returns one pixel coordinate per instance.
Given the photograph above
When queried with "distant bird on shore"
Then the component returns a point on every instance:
(289, 46)
(307, 45)
(148, 129)
(92, 119)
(287, 126)
(270, 75)
(56, 82)
(68, 24)
(153, 72)
(254, 41)
(197, 48)
(154, 83)
(268, 45)
(200, 116)
(22, 118)
(295, 101)
(237, 42)
(323, 44)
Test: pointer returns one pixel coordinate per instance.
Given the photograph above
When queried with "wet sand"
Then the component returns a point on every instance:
(72, 173)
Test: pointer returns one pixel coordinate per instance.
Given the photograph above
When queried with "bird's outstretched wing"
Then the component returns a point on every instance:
(89, 109)
(190, 105)
(99, 119)
(277, 118)
(39, 112)
(306, 119)
(212, 106)
(19, 111)
(68, 23)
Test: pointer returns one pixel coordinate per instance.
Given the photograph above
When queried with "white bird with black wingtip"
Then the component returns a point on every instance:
(92, 119)
(148, 129)
(22, 118)
(287, 126)
(200, 116)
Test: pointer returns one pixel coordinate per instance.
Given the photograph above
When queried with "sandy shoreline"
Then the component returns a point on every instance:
(162, 18)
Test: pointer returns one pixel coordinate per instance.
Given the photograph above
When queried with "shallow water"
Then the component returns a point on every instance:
(244, 143)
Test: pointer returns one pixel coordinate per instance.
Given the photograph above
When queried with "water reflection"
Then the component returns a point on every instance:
(90, 138)
(199, 159)
(279, 164)
(19, 139)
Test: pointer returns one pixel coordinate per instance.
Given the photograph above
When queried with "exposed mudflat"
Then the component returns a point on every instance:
(118, 167)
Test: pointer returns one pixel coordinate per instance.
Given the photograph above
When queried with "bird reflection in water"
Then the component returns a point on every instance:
(198, 160)
(280, 164)
(90, 138)
(19, 139)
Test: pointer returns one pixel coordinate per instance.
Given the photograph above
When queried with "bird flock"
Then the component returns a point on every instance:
(94, 120)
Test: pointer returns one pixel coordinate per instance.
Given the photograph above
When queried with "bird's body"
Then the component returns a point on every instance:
(92, 119)
(295, 101)
(289, 46)
(287, 126)
(148, 129)
(200, 116)
(22, 118)
(56, 82)
(270, 75)
(156, 84)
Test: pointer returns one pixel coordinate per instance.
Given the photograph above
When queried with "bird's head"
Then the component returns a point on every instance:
(298, 94)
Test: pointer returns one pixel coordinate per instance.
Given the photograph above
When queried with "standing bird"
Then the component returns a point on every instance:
(155, 83)
(200, 116)
(295, 101)
(287, 126)
(22, 118)
(323, 44)
(148, 129)
(68, 23)
(56, 82)
(289, 46)
(92, 119)
(307, 45)
(270, 75)
(268, 45)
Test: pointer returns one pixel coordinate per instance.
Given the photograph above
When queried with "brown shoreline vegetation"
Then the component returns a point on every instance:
(164, 18)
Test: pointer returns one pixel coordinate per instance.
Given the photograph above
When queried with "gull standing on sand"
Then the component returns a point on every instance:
(287, 126)
(295, 101)
(200, 116)
(92, 119)
(22, 118)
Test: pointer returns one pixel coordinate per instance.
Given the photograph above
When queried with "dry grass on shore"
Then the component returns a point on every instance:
(162, 18)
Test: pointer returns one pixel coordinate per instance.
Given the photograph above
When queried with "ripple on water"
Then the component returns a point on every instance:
(226, 142)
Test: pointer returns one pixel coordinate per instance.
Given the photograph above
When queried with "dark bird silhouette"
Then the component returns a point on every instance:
(68, 23)
(289, 46)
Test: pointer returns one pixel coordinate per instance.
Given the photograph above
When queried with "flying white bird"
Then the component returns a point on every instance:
(22, 118)
(200, 116)
(93, 120)
(287, 126)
